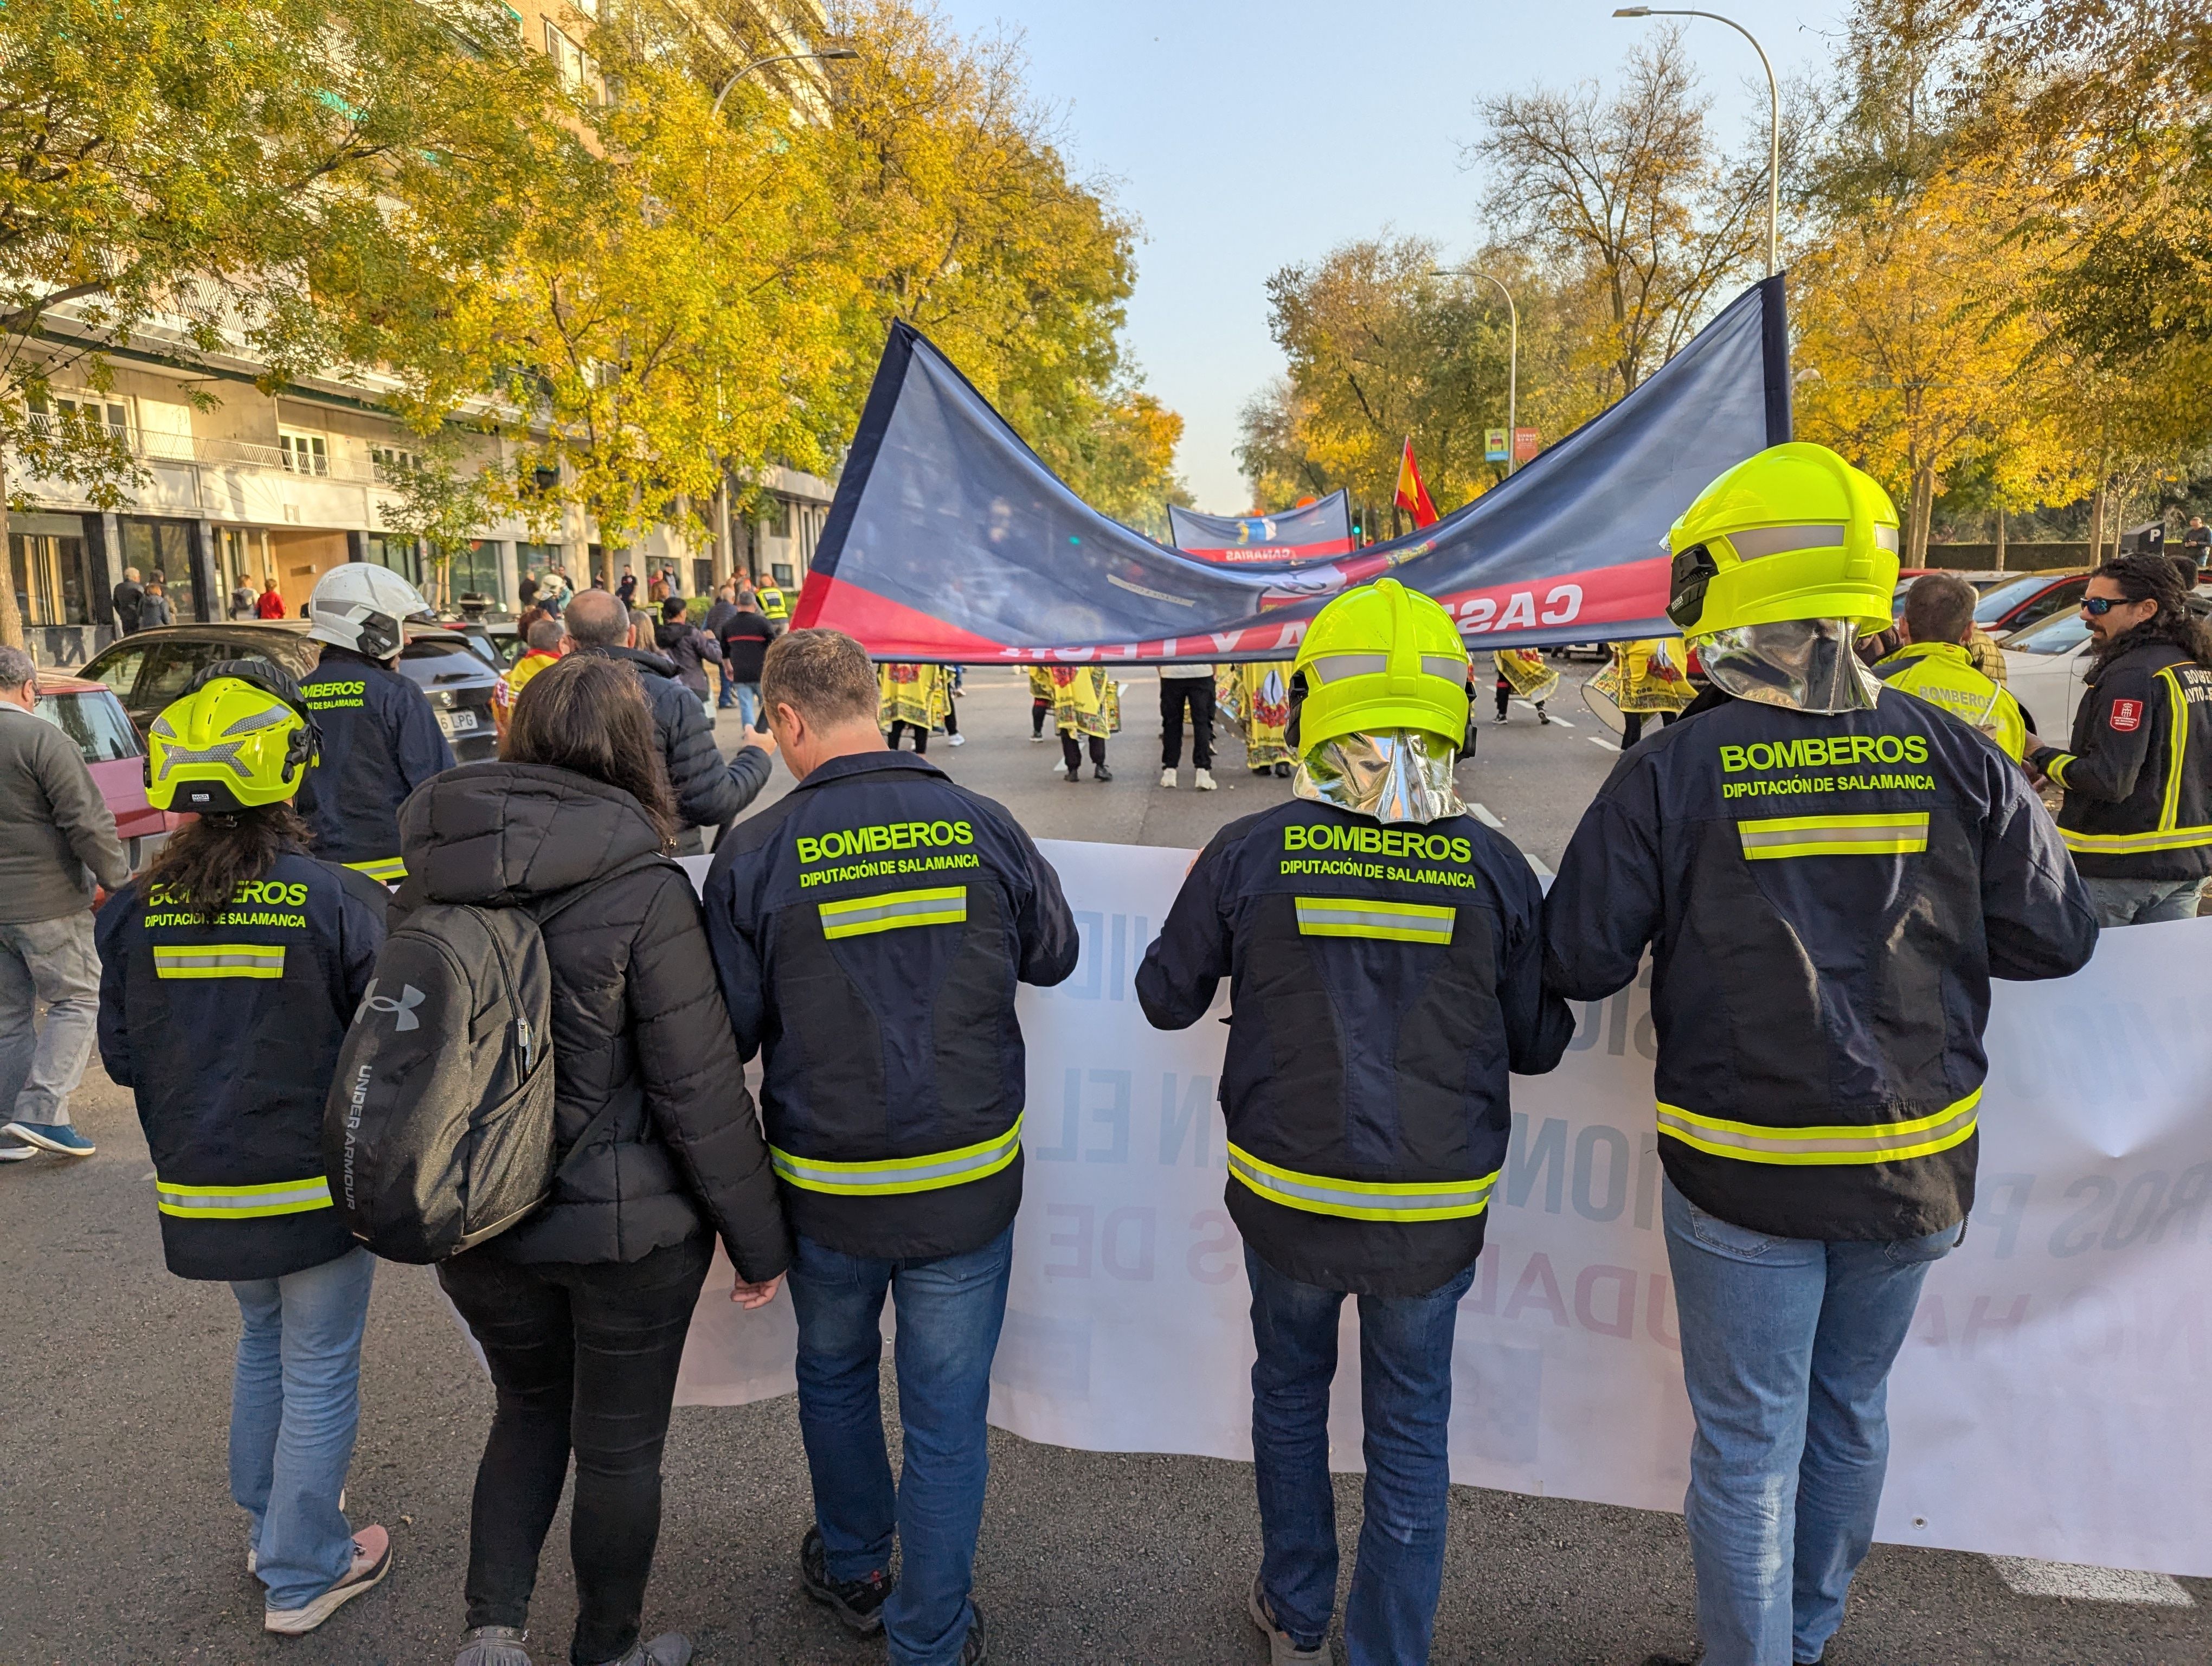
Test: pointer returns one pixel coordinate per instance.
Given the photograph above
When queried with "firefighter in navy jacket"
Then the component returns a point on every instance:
(1384, 958)
(229, 974)
(2137, 771)
(869, 930)
(1827, 872)
(380, 738)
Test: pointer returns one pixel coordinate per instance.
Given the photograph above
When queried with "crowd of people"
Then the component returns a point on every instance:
(1827, 861)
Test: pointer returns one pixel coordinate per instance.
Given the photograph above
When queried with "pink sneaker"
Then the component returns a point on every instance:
(372, 1561)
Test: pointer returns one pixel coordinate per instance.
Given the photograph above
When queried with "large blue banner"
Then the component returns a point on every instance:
(1322, 527)
(950, 541)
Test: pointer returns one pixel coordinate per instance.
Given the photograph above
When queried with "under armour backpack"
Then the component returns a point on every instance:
(438, 1132)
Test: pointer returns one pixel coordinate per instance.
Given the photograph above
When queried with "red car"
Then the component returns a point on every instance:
(89, 714)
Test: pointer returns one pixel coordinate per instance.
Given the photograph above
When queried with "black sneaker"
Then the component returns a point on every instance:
(975, 1648)
(1100, 772)
(858, 1602)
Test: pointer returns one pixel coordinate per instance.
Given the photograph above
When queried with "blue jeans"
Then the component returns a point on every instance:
(1786, 1349)
(53, 961)
(949, 1314)
(294, 1403)
(1405, 1388)
(2143, 902)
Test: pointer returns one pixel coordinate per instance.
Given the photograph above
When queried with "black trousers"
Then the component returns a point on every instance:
(583, 1357)
(1197, 693)
(921, 735)
(1071, 750)
(1038, 709)
(1631, 725)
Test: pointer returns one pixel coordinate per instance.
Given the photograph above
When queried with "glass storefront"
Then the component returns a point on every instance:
(475, 571)
(50, 567)
(402, 555)
(243, 560)
(163, 547)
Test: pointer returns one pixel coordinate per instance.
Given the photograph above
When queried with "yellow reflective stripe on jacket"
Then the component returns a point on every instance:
(385, 870)
(282, 1197)
(893, 1175)
(2056, 769)
(2165, 836)
(1876, 1142)
(219, 960)
(1357, 916)
(856, 916)
(1362, 1200)
(1773, 837)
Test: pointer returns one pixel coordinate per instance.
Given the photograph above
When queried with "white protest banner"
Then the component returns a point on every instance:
(2049, 1402)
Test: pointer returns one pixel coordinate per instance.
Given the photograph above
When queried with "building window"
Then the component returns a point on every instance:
(782, 571)
(163, 549)
(571, 60)
(397, 554)
(476, 571)
(393, 464)
(304, 453)
(243, 561)
(81, 416)
(53, 581)
(776, 518)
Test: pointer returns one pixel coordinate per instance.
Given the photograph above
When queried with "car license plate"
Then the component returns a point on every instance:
(455, 723)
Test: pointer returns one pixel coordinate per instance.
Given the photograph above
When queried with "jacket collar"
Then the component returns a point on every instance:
(862, 764)
(636, 656)
(1954, 652)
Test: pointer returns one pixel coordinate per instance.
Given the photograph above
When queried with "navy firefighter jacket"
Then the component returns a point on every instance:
(227, 1032)
(381, 742)
(869, 930)
(1383, 982)
(1826, 898)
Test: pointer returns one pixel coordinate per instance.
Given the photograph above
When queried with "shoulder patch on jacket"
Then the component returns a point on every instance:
(2126, 715)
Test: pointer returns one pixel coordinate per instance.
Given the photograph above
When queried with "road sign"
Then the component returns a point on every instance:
(1526, 444)
(1493, 445)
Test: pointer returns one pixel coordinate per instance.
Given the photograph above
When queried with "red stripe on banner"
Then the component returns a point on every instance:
(1237, 555)
(1566, 607)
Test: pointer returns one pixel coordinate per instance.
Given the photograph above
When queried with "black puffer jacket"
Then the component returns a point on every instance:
(708, 791)
(638, 1024)
(688, 648)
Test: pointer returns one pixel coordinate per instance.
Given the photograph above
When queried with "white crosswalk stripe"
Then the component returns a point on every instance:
(2030, 1578)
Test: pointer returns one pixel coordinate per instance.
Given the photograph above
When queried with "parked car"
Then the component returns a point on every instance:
(150, 668)
(89, 713)
(2029, 599)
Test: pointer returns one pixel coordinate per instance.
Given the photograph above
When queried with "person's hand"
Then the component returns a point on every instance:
(752, 1296)
(763, 739)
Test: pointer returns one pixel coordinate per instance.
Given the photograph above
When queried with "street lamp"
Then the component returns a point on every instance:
(833, 55)
(1513, 361)
(1773, 123)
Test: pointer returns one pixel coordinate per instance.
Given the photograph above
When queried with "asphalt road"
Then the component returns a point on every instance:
(119, 1542)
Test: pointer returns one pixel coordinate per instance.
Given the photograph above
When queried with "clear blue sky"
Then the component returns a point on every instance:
(1247, 134)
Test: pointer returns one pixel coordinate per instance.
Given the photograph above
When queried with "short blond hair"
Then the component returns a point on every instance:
(824, 676)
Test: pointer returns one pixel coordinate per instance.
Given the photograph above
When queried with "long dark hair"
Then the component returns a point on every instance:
(206, 860)
(586, 712)
(2147, 578)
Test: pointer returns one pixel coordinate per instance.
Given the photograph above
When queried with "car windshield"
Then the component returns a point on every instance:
(2060, 635)
(95, 721)
(1996, 604)
(442, 661)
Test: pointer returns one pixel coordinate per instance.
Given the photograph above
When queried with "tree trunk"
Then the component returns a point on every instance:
(2001, 529)
(1923, 505)
(2097, 528)
(11, 617)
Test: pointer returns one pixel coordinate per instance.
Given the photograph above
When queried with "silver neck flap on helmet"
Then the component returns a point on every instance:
(1391, 775)
(1803, 664)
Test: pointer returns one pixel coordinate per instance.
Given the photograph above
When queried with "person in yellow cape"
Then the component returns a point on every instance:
(1522, 671)
(1040, 700)
(912, 696)
(1086, 707)
(1647, 679)
(1257, 698)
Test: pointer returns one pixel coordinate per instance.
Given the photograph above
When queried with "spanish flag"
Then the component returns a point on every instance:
(1412, 495)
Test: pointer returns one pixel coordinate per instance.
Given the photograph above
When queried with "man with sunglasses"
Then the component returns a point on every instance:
(2137, 770)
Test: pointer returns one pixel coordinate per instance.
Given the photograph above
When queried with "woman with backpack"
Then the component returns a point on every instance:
(239, 952)
(582, 1309)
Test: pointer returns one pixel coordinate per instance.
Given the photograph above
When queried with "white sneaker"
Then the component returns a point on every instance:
(372, 1561)
(16, 1153)
(1205, 781)
(962, 740)
(1167, 777)
(1036, 740)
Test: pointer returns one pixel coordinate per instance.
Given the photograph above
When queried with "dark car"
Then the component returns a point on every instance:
(150, 668)
(89, 713)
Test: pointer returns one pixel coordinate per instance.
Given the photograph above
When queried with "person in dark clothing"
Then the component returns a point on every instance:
(128, 596)
(627, 588)
(380, 738)
(244, 955)
(154, 609)
(893, 1085)
(526, 593)
(582, 1309)
(745, 635)
(709, 792)
(688, 647)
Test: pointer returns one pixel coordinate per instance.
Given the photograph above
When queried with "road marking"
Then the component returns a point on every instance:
(1599, 741)
(1483, 813)
(2030, 1578)
(1542, 873)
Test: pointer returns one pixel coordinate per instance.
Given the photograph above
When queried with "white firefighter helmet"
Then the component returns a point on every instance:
(360, 605)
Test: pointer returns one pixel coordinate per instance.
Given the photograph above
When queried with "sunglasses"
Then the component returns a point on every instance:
(2097, 606)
